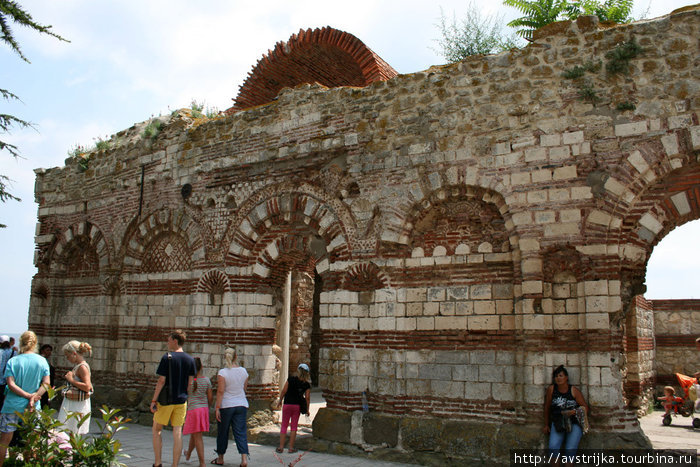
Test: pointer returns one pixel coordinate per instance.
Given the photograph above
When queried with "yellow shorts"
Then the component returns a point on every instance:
(172, 414)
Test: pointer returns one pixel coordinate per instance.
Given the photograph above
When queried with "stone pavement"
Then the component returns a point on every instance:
(137, 444)
(680, 434)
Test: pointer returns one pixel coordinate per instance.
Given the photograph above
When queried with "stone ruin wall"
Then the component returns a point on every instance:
(473, 226)
(639, 374)
(659, 342)
(677, 325)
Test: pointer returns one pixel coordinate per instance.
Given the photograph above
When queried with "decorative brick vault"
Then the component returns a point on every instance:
(325, 56)
(454, 235)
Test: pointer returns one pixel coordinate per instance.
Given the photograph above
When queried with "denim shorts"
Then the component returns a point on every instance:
(7, 421)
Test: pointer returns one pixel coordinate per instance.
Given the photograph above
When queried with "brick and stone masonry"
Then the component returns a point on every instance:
(454, 234)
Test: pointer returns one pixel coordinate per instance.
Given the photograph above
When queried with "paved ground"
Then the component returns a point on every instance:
(137, 443)
(680, 434)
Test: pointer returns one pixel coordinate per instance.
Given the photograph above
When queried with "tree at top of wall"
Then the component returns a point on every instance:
(539, 13)
(12, 11)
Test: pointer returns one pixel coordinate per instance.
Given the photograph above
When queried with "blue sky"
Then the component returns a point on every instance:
(130, 60)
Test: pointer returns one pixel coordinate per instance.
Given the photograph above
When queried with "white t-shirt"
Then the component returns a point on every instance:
(234, 394)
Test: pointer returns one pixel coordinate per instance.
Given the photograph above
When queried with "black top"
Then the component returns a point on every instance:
(183, 367)
(563, 401)
(296, 389)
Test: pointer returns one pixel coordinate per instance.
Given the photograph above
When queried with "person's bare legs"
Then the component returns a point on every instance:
(244, 460)
(199, 444)
(177, 444)
(190, 448)
(5, 439)
(157, 442)
(292, 438)
(283, 439)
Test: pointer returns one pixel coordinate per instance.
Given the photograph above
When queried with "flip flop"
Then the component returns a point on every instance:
(217, 463)
(291, 450)
(280, 450)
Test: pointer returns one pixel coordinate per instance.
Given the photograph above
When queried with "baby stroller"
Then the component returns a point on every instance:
(684, 405)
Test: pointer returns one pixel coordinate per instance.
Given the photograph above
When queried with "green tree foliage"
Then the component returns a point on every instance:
(539, 13)
(474, 35)
(12, 11)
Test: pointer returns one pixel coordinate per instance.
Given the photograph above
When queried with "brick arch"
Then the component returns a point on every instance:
(364, 277)
(289, 253)
(327, 56)
(80, 250)
(646, 165)
(283, 210)
(406, 230)
(665, 205)
(213, 282)
(164, 241)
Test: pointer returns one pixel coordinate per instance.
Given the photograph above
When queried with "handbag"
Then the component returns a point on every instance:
(558, 422)
(166, 393)
(302, 400)
(74, 393)
(582, 419)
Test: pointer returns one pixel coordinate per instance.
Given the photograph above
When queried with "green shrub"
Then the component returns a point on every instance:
(46, 444)
(152, 130)
(81, 154)
(619, 57)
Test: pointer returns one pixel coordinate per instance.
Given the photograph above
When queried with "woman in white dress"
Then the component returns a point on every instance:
(76, 397)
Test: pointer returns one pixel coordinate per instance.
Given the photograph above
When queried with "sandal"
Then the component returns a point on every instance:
(216, 462)
(291, 450)
(280, 450)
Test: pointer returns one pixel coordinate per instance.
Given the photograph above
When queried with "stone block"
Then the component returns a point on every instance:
(485, 322)
(467, 439)
(380, 429)
(477, 391)
(332, 425)
(421, 434)
(631, 129)
(450, 322)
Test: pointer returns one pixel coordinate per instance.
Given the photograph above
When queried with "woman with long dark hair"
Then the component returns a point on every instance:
(560, 421)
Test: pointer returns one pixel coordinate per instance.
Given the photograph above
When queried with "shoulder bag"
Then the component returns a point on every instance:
(73, 393)
(166, 393)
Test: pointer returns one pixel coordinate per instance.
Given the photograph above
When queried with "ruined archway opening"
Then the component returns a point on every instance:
(303, 328)
(663, 321)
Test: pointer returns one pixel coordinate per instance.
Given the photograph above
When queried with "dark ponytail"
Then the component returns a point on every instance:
(198, 368)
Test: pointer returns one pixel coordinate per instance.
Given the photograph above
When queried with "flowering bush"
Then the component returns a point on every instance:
(45, 443)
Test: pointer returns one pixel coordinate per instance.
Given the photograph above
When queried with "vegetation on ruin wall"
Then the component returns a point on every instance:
(477, 34)
(617, 63)
(197, 113)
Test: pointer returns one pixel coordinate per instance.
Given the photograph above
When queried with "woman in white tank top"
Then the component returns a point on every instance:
(231, 407)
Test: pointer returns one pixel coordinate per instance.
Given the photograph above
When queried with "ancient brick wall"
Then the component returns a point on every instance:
(677, 325)
(473, 226)
(640, 353)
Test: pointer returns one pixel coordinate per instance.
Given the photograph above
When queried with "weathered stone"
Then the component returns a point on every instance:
(332, 425)
(379, 429)
(440, 227)
(421, 434)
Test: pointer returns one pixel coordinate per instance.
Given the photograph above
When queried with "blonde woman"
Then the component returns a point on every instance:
(231, 407)
(27, 377)
(76, 397)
